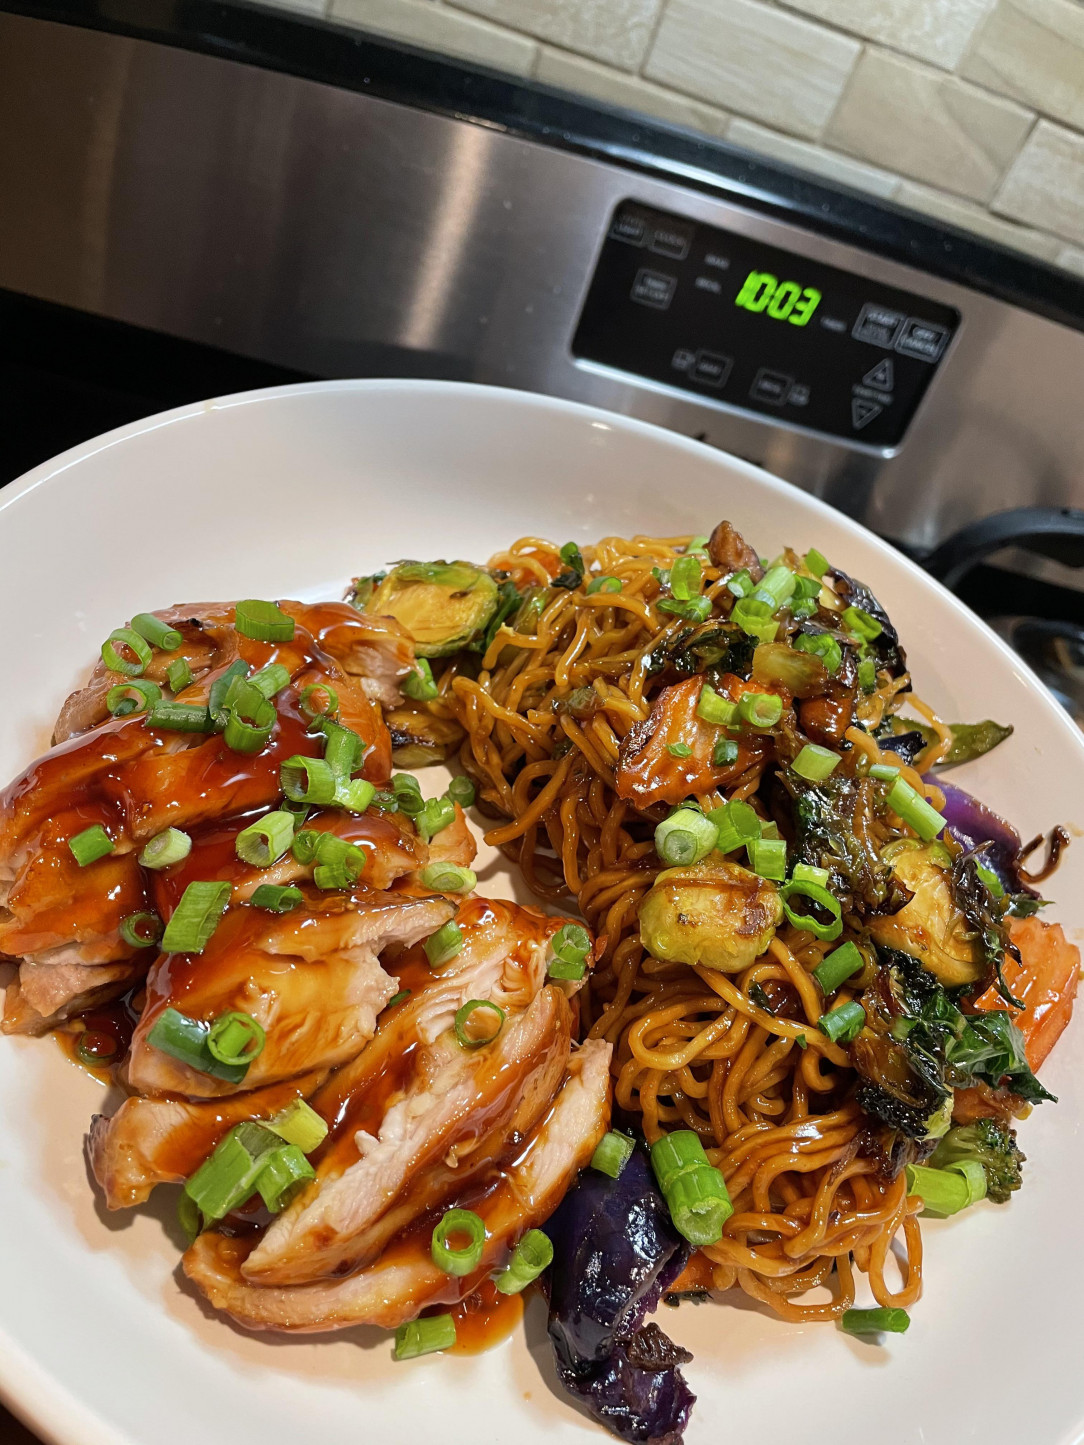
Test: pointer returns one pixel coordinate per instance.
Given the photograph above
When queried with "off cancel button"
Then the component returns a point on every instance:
(653, 288)
(924, 339)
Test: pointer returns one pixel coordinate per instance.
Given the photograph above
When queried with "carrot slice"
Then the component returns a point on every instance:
(1046, 982)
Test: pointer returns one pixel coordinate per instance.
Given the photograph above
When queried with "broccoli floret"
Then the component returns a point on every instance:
(988, 1144)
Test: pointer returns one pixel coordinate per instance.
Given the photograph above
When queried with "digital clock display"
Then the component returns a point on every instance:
(781, 300)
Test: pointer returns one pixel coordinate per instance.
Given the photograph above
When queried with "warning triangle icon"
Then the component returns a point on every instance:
(882, 376)
(863, 412)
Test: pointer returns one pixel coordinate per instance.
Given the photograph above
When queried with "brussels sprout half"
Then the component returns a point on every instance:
(443, 605)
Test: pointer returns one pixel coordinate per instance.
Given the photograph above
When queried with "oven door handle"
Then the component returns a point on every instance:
(1054, 532)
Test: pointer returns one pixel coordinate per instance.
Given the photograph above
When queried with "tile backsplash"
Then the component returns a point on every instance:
(971, 111)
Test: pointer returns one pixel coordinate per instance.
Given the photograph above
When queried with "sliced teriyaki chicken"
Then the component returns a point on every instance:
(387, 1118)
(163, 1141)
(404, 1280)
(377, 650)
(310, 978)
(453, 1100)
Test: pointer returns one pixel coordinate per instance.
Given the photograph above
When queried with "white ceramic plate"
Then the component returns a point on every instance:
(290, 492)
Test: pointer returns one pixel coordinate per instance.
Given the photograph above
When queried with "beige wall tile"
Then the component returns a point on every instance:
(749, 58)
(934, 30)
(1070, 259)
(973, 218)
(1034, 50)
(617, 32)
(1046, 184)
(929, 126)
(422, 22)
(812, 158)
(614, 87)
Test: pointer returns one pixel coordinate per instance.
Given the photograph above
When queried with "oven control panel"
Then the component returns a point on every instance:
(733, 320)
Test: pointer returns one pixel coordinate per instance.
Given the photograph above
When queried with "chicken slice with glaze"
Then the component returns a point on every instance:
(404, 1280)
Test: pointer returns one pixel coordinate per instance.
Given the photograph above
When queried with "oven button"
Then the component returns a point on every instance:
(863, 412)
(798, 394)
(631, 229)
(923, 339)
(710, 368)
(669, 241)
(770, 386)
(682, 359)
(882, 376)
(653, 288)
(878, 325)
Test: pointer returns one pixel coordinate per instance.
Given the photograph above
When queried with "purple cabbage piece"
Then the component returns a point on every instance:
(614, 1253)
(973, 824)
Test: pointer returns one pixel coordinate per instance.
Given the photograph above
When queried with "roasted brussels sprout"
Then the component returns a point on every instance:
(443, 605)
(930, 927)
(718, 914)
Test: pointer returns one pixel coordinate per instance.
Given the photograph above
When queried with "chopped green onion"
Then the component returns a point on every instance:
(269, 680)
(224, 1181)
(878, 1321)
(461, 790)
(141, 930)
(121, 702)
(696, 609)
(776, 587)
(263, 621)
(165, 849)
(236, 1038)
(714, 708)
(572, 557)
(815, 763)
(695, 1192)
(836, 967)
(334, 877)
(741, 583)
(157, 632)
(308, 780)
(311, 710)
(424, 1337)
(990, 881)
(815, 562)
(473, 1006)
(725, 753)
(409, 795)
(884, 772)
(188, 1216)
(284, 1171)
(219, 695)
(867, 675)
(685, 578)
(768, 858)
(947, 1191)
(755, 619)
(531, 1256)
(760, 709)
(822, 646)
(299, 1124)
(843, 1024)
(571, 945)
(183, 1038)
(249, 734)
(180, 717)
(441, 947)
(343, 749)
(265, 841)
(685, 837)
(465, 1259)
(613, 1152)
(860, 624)
(603, 584)
(806, 590)
(276, 898)
(679, 750)
(434, 817)
(449, 878)
(115, 659)
(90, 845)
(770, 829)
(196, 917)
(398, 998)
(354, 795)
(818, 894)
(306, 841)
(809, 874)
(915, 811)
(698, 543)
(420, 685)
(736, 824)
(179, 675)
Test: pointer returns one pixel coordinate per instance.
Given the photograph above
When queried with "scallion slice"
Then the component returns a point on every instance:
(424, 1337)
(612, 1153)
(269, 680)
(859, 622)
(398, 998)
(915, 811)
(768, 858)
(875, 1321)
(420, 685)
(884, 772)
(354, 794)
(284, 1172)
(679, 750)
(697, 609)
(276, 898)
(760, 709)
(685, 578)
(435, 815)
(685, 838)
(224, 1181)
(820, 896)
(838, 966)
(815, 562)
(822, 646)
(165, 849)
(265, 841)
(308, 780)
(90, 845)
(461, 790)
(117, 659)
(531, 1256)
(180, 717)
(714, 708)
(809, 874)
(157, 632)
(196, 917)
(309, 701)
(815, 763)
(441, 947)
(755, 619)
(464, 1014)
(125, 698)
(263, 621)
(466, 1258)
(299, 1124)
(776, 587)
(571, 945)
(695, 1192)
(249, 734)
(844, 1023)
(603, 584)
(236, 1038)
(741, 583)
(736, 824)
(184, 1038)
(343, 749)
(725, 753)
(867, 675)
(178, 675)
(449, 878)
(219, 694)
(141, 930)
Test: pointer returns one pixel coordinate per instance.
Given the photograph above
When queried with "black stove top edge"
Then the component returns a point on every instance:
(318, 50)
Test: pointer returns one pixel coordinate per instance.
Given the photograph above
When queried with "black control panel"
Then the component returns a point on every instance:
(737, 321)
